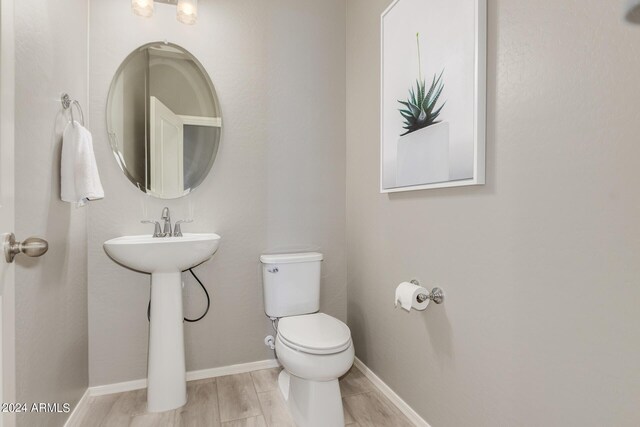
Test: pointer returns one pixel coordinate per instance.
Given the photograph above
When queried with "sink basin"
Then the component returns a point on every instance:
(165, 258)
(163, 254)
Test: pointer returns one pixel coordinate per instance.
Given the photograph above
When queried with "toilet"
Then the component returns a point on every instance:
(314, 348)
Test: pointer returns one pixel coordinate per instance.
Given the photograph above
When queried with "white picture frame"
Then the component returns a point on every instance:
(475, 128)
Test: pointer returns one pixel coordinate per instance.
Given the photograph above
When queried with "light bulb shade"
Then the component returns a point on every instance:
(187, 11)
(142, 7)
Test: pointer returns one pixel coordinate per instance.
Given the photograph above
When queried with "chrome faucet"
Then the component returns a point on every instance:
(157, 232)
(165, 231)
(177, 231)
(166, 216)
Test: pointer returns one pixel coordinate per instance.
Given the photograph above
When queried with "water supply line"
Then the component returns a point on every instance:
(185, 319)
(269, 340)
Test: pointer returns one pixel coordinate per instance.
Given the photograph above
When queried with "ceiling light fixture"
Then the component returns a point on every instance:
(186, 10)
(142, 7)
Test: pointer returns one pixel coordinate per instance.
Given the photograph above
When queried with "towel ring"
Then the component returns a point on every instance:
(67, 104)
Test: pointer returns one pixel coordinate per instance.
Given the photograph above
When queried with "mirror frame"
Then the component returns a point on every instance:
(113, 144)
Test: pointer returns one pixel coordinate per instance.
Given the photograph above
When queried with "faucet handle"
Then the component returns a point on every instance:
(177, 231)
(157, 232)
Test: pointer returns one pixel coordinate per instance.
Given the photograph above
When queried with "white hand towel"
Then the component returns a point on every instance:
(80, 181)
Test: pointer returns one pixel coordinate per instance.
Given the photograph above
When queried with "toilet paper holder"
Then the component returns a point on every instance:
(436, 295)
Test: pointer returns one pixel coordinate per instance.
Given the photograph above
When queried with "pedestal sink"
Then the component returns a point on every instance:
(164, 258)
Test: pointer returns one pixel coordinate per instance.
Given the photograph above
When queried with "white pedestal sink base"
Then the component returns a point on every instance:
(166, 374)
(164, 258)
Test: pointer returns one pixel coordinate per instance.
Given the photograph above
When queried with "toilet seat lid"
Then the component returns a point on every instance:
(316, 333)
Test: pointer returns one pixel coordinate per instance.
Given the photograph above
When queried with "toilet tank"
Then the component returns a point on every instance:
(291, 283)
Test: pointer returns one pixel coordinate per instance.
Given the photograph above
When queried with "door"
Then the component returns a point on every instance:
(166, 141)
(7, 307)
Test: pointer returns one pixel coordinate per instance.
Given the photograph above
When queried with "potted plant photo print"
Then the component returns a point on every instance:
(423, 146)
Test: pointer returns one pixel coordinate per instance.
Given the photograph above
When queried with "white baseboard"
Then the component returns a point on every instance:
(232, 369)
(79, 406)
(101, 390)
(242, 368)
(391, 395)
(191, 376)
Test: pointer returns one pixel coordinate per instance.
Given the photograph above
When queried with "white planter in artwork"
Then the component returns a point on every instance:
(423, 156)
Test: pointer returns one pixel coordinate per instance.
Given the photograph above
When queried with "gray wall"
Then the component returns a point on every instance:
(51, 292)
(278, 183)
(540, 265)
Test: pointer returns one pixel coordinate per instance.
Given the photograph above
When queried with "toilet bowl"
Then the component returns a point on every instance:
(315, 350)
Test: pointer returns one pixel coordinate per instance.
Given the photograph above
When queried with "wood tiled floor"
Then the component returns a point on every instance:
(243, 400)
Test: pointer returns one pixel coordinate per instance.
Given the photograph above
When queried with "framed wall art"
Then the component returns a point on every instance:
(433, 94)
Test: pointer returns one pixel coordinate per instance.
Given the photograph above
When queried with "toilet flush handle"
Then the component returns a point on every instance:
(273, 270)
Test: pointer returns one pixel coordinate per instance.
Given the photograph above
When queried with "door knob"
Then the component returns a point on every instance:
(31, 247)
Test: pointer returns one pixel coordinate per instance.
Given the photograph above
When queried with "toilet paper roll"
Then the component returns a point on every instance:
(407, 296)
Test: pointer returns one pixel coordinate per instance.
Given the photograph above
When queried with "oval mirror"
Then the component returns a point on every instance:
(163, 119)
